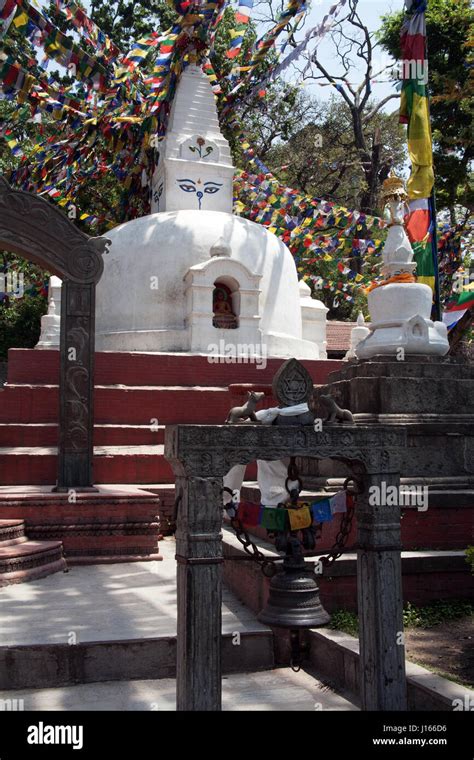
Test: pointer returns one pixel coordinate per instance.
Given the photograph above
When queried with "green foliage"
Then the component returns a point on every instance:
(126, 22)
(413, 617)
(436, 613)
(342, 620)
(449, 27)
(470, 557)
(20, 323)
(321, 159)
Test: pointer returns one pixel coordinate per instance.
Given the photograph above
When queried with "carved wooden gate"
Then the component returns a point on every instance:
(33, 228)
(200, 456)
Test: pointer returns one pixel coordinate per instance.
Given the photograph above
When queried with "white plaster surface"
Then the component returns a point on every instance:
(400, 316)
(155, 295)
(132, 315)
(195, 166)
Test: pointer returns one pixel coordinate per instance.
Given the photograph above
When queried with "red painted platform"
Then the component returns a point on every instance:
(111, 525)
(24, 560)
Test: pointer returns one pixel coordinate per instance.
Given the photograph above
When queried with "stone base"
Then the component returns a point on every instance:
(414, 336)
(400, 316)
(420, 385)
(111, 526)
(433, 396)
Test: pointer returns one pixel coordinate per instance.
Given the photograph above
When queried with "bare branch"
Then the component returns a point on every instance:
(379, 105)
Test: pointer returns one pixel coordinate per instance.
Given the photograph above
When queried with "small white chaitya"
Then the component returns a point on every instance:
(193, 276)
(51, 322)
(400, 309)
(358, 334)
(313, 315)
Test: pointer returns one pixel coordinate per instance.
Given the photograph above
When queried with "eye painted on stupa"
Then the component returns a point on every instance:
(212, 187)
(187, 185)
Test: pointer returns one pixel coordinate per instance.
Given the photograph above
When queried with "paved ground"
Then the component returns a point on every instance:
(104, 602)
(268, 690)
(130, 601)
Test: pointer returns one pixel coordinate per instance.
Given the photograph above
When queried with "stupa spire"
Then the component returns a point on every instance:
(195, 168)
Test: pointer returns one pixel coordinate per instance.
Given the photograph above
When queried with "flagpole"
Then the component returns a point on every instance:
(434, 251)
(436, 311)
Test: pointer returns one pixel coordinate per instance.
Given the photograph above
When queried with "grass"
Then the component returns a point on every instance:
(413, 617)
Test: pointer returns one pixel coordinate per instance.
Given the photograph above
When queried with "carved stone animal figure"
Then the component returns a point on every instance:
(247, 411)
(335, 413)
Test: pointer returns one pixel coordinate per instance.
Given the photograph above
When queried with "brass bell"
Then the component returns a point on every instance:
(294, 600)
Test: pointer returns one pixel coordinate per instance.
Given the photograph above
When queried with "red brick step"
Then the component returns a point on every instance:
(135, 405)
(29, 561)
(37, 465)
(12, 532)
(14, 434)
(28, 366)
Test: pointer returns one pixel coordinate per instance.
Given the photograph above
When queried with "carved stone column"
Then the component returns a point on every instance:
(380, 599)
(31, 227)
(76, 386)
(199, 557)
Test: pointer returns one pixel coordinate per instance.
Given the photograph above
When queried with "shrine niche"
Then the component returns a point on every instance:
(224, 306)
(34, 229)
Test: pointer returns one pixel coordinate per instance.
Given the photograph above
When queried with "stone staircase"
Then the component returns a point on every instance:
(136, 396)
(24, 560)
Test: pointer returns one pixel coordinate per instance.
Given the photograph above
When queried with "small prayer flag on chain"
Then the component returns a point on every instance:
(300, 518)
(338, 502)
(274, 518)
(321, 511)
(248, 513)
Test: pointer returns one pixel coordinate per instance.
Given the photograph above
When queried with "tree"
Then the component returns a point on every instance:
(126, 22)
(322, 160)
(353, 41)
(449, 28)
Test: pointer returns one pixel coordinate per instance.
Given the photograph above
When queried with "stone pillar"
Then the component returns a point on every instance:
(380, 599)
(76, 387)
(199, 558)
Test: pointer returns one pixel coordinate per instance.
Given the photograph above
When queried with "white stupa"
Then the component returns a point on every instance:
(400, 311)
(192, 275)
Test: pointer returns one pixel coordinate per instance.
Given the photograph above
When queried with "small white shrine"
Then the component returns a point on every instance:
(192, 275)
(400, 308)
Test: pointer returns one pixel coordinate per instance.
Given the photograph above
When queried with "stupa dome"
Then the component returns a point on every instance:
(192, 274)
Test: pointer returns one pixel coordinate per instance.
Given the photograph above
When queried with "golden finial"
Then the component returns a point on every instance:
(394, 187)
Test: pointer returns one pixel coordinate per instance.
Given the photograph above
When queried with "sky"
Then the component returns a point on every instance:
(370, 12)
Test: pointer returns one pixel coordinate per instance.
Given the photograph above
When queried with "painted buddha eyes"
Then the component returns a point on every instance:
(211, 187)
(190, 186)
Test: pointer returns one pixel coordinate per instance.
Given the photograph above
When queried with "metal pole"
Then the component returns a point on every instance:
(436, 312)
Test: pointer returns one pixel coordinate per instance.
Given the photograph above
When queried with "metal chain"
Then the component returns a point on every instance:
(267, 564)
(338, 546)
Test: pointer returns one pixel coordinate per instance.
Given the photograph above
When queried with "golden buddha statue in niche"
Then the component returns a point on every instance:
(224, 316)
